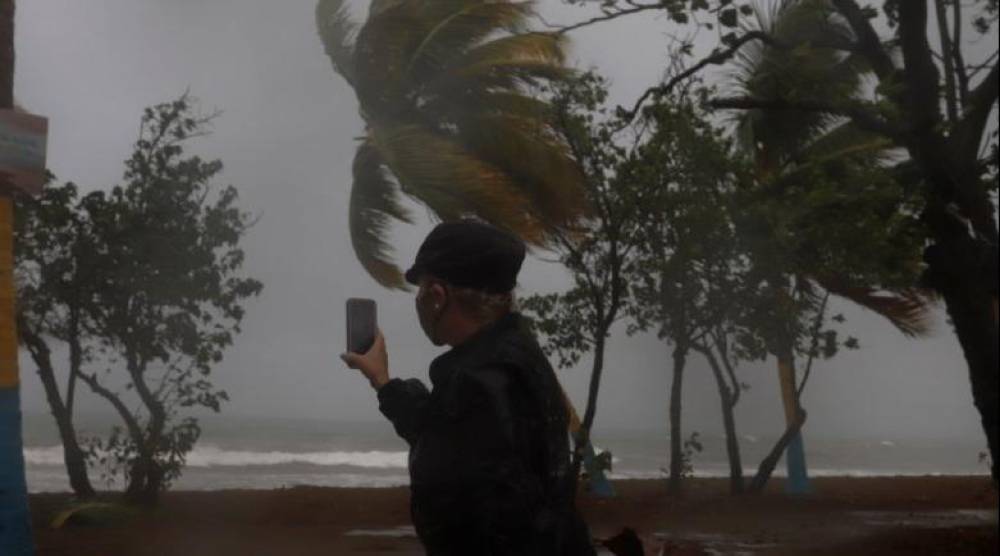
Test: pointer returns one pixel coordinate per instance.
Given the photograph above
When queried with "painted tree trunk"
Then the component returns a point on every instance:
(676, 434)
(767, 465)
(15, 525)
(795, 454)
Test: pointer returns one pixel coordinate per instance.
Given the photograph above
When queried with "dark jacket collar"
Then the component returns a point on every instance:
(475, 347)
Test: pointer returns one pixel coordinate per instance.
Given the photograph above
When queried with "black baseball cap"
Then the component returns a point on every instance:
(470, 254)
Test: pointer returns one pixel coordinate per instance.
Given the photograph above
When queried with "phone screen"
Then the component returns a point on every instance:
(361, 325)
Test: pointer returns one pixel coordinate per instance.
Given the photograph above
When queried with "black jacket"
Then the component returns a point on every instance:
(489, 449)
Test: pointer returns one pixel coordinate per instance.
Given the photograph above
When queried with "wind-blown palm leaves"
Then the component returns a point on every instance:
(839, 170)
(444, 90)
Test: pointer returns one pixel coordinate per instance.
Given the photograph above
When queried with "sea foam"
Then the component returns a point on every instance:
(213, 456)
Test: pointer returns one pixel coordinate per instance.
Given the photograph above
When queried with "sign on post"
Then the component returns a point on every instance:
(23, 139)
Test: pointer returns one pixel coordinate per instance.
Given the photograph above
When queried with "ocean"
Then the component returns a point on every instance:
(260, 453)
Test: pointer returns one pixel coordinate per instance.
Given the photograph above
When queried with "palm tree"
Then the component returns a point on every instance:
(444, 92)
(788, 146)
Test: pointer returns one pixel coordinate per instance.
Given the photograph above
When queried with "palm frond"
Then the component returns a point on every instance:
(539, 54)
(379, 6)
(422, 70)
(453, 182)
(492, 102)
(803, 71)
(907, 309)
(374, 204)
(382, 51)
(539, 165)
(465, 26)
(847, 139)
(337, 32)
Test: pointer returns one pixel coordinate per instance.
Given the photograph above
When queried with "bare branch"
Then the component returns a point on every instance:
(814, 345)
(727, 364)
(970, 130)
(948, 59)
(608, 16)
(717, 58)
(956, 45)
(135, 430)
(987, 64)
(868, 41)
(921, 74)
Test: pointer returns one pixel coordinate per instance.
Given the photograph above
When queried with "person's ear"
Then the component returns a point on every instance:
(436, 295)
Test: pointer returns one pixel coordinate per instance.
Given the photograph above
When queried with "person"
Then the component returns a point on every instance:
(489, 447)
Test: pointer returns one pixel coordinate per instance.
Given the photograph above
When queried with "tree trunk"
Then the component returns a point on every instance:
(963, 269)
(767, 465)
(145, 480)
(972, 313)
(676, 436)
(149, 443)
(138, 470)
(583, 437)
(962, 266)
(73, 456)
(136, 486)
(727, 400)
(732, 448)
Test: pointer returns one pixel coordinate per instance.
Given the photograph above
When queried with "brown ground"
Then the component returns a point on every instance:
(846, 516)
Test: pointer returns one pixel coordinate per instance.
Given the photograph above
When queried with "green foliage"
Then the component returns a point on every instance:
(598, 250)
(444, 88)
(689, 258)
(692, 447)
(826, 206)
(147, 276)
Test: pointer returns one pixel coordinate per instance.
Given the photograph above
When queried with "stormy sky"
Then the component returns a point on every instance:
(287, 136)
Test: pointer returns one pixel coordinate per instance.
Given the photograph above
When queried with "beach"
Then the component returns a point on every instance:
(844, 515)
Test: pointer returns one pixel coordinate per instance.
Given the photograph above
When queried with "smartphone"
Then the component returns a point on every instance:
(361, 324)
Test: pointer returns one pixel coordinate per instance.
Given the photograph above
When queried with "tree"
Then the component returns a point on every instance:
(161, 295)
(55, 271)
(597, 250)
(688, 256)
(442, 87)
(15, 524)
(812, 151)
(933, 102)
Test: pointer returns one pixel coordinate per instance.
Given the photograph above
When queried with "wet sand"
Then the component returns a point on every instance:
(863, 516)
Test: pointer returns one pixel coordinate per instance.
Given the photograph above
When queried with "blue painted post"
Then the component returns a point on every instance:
(795, 455)
(15, 525)
(795, 464)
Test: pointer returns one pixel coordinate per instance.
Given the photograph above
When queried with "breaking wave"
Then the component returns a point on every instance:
(212, 456)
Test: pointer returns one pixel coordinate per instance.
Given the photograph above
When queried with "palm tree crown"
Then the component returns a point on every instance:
(444, 91)
(793, 148)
